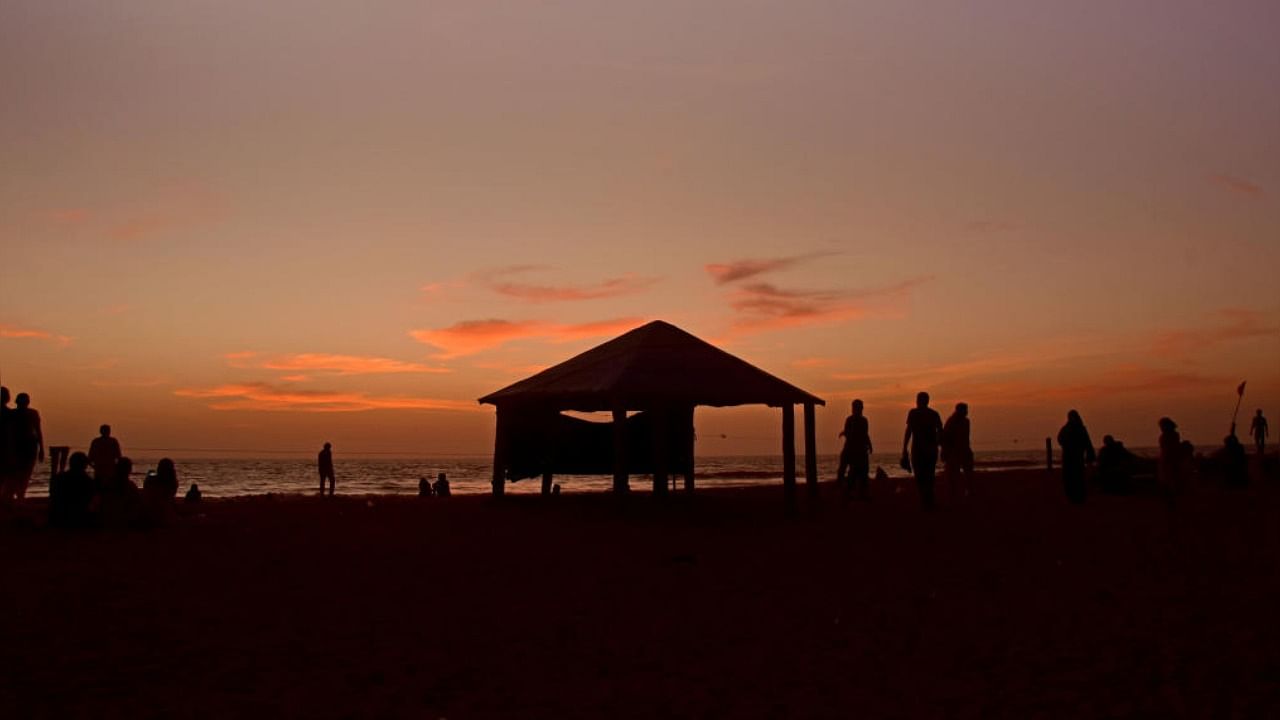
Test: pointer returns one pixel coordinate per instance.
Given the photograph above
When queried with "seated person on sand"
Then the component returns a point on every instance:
(1233, 461)
(160, 489)
(424, 487)
(193, 494)
(120, 502)
(441, 486)
(71, 494)
(1115, 466)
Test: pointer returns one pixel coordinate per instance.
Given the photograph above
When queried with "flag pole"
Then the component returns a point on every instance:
(1236, 414)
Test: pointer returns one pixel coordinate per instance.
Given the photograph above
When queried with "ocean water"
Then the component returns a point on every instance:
(471, 475)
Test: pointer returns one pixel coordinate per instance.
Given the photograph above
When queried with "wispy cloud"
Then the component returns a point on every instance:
(19, 332)
(330, 364)
(179, 206)
(271, 398)
(472, 336)
(766, 306)
(724, 273)
(990, 226)
(1236, 184)
(501, 280)
(1229, 324)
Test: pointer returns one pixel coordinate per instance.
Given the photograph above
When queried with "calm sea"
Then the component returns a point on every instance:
(470, 475)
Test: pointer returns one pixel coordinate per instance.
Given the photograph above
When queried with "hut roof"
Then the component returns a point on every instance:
(655, 364)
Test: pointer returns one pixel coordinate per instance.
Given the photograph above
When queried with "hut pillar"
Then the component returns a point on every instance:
(789, 452)
(500, 452)
(810, 450)
(661, 477)
(620, 480)
(546, 483)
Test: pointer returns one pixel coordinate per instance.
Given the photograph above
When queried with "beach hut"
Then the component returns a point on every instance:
(659, 373)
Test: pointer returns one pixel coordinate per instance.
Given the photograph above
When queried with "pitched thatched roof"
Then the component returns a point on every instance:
(656, 364)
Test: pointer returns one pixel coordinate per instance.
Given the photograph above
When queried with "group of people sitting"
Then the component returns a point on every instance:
(110, 498)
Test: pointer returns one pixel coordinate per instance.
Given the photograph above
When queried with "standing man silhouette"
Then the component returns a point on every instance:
(325, 462)
(104, 453)
(28, 446)
(924, 432)
(1258, 429)
(855, 458)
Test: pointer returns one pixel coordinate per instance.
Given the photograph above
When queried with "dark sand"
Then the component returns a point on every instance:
(1011, 604)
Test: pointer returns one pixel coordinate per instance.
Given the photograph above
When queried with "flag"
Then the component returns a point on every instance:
(1240, 390)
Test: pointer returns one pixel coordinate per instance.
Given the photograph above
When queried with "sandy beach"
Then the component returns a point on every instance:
(1010, 603)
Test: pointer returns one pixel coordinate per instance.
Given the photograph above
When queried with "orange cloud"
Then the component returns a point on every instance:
(729, 272)
(329, 363)
(1236, 184)
(813, 362)
(1232, 324)
(266, 397)
(472, 336)
(17, 332)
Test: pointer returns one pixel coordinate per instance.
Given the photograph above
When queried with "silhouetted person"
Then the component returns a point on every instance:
(325, 464)
(71, 495)
(924, 432)
(1115, 466)
(855, 458)
(104, 453)
(424, 487)
(957, 452)
(1077, 451)
(193, 494)
(1235, 464)
(120, 500)
(1258, 429)
(441, 486)
(160, 490)
(27, 443)
(8, 453)
(1170, 467)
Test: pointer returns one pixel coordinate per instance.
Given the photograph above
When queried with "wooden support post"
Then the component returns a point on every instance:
(620, 480)
(546, 483)
(500, 453)
(661, 477)
(789, 452)
(685, 420)
(810, 450)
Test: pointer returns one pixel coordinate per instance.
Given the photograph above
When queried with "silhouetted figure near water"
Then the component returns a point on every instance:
(160, 490)
(120, 502)
(193, 494)
(855, 458)
(1259, 430)
(957, 452)
(104, 453)
(8, 453)
(441, 487)
(1077, 451)
(71, 495)
(424, 487)
(1235, 463)
(1115, 467)
(325, 464)
(924, 432)
(1173, 461)
(27, 446)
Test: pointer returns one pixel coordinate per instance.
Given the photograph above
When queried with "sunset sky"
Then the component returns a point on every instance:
(263, 225)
